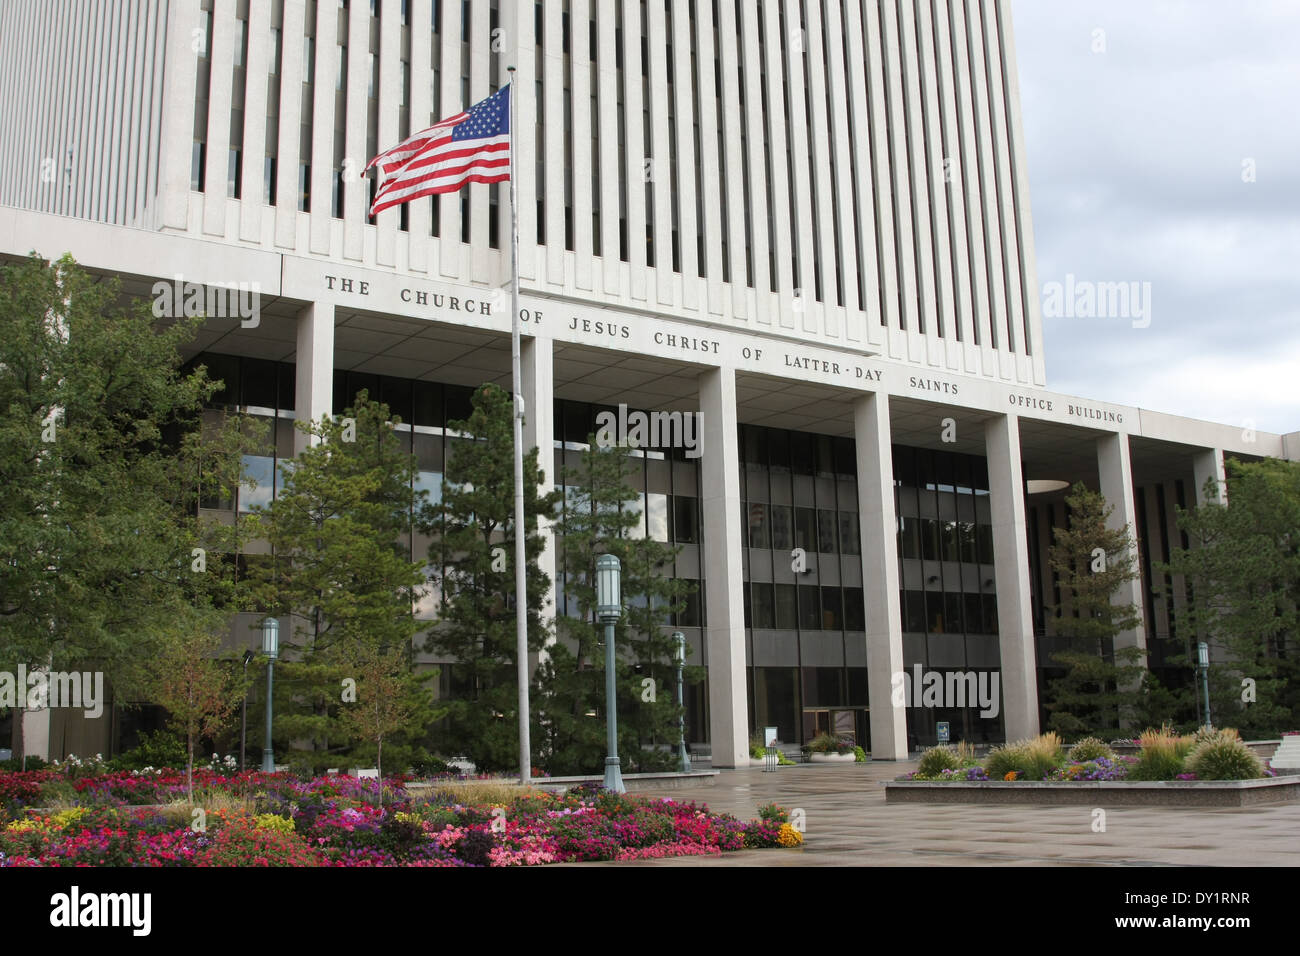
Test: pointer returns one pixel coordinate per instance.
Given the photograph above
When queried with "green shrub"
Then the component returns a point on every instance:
(57, 793)
(936, 760)
(426, 765)
(829, 744)
(859, 755)
(1224, 756)
(159, 749)
(15, 764)
(1090, 748)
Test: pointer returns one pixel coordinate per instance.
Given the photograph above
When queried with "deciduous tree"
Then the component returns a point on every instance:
(1242, 572)
(104, 458)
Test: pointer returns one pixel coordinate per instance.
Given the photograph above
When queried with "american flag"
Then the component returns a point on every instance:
(470, 147)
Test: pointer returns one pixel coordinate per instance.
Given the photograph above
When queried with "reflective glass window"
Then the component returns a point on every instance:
(810, 608)
(855, 614)
(850, 541)
(787, 615)
(782, 527)
(764, 609)
(825, 531)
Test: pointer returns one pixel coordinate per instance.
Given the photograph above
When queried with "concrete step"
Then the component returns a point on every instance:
(1287, 755)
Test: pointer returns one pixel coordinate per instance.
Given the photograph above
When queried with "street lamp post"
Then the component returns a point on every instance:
(608, 610)
(271, 648)
(683, 758)
(243, 717)
(1203, 654)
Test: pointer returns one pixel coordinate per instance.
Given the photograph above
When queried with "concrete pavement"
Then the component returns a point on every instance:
(849, 824)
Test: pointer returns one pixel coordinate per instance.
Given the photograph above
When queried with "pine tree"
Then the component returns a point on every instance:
(1103, 685)
(600, 517)
(340, 570)
(474, 544)
(1242, 571)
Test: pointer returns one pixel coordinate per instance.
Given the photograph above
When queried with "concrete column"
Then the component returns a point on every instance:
(724, 635)
(1207, 464)
(878, 527)
(314, 372)
(538, 387)
(177, 140)
(1116, 472)
(36, 726)
(1011, 571)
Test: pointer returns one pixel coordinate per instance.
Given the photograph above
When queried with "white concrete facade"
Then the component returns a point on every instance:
(816, 282)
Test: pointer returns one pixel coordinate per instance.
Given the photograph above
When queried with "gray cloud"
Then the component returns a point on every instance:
(1136, 158)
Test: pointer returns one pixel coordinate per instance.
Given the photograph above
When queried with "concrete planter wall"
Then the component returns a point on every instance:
(639, 781)
(1106, 793)
(1263, 749)
(831, 758)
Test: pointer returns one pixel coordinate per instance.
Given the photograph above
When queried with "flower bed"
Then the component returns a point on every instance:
(1163, 756)
(257, 819)
(1209, 768)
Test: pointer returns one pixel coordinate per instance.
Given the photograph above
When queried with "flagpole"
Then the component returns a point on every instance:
(521, 568)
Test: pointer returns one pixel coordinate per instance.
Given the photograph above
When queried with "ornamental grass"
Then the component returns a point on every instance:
(479, 791)
(1161, 755)
(1032, 759)
(1209, 754)
(936, 760)
(1091, 748)
(1223, 756)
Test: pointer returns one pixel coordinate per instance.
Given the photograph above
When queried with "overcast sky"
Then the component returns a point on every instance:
(1136, 160)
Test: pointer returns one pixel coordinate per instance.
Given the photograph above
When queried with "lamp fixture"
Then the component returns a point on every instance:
(1043, 486)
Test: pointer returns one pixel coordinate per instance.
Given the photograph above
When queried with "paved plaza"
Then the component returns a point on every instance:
(849, 824)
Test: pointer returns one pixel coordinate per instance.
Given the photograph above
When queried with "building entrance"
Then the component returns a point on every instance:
(850, 722)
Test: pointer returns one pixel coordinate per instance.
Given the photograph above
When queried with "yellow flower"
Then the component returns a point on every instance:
(789, 836)
(28, 825)
(269, 821)
(66, 818)
(1010, 775)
